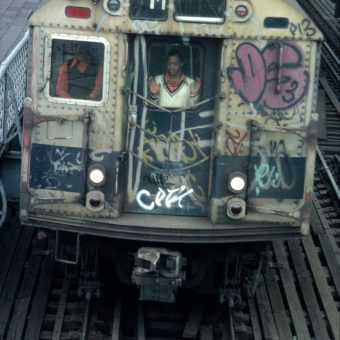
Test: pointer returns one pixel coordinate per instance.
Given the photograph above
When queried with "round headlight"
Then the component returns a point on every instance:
(96, 175)
(236, 208)
(95, 200)
(237, 182)
(113, 5)
(241, 11)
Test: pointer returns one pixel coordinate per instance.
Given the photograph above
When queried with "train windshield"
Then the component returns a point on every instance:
(170, 133)
(148, 10)
(76, 70)
(200, 10)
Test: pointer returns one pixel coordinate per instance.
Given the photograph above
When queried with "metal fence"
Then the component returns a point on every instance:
(12, 95)
(12, 92)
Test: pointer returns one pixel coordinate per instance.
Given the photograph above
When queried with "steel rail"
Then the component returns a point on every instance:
(331, 52)
(328, 172)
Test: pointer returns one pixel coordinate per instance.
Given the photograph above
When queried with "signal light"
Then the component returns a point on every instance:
(77, 12)
(241, 11)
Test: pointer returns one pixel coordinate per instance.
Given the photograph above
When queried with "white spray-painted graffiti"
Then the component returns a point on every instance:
(64, 165)
(57, 168)
(146, 26)
(272, 175)
(266, 177)
(275, 168)
(172, 196)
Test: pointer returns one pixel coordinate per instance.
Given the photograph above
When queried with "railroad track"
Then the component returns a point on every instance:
(298, 296)
(323, 13)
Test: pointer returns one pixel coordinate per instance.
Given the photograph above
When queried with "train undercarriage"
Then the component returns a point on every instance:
(229, 272)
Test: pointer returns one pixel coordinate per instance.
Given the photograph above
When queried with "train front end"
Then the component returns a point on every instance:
(235, 166)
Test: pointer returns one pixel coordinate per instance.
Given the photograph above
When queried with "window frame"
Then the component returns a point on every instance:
(196, 19)
(48, 68)
(152, 19)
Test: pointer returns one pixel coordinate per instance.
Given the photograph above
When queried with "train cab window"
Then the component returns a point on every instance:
(148, 9)
(77, 70)
(200, 10)
(174, 74)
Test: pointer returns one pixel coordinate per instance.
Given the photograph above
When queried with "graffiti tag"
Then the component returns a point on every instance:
(159, 180)
(304, 27)
(172, 196)
(270, 172)
(278, 115)
(273, 78)
(234, 141)
(65, 164)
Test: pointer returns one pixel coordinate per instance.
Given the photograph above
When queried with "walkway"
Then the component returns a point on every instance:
(13, 22)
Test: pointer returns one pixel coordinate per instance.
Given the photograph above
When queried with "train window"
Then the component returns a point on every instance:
(275, 22)
(76, 71)
(174, 72)
(148, 9)
(200, 10)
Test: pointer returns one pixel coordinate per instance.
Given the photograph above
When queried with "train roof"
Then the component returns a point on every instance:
(277, 19)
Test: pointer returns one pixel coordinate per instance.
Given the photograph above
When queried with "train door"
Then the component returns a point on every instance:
(169, 139)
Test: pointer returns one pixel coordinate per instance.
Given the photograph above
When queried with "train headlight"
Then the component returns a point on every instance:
(112, 7)
(237, 182)
(96, 175)
(95, 200)
(236, 208)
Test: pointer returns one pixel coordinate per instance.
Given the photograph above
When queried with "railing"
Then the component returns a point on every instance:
(12, 92)
(12, 95)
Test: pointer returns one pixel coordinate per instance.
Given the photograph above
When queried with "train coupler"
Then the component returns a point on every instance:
(158, 273)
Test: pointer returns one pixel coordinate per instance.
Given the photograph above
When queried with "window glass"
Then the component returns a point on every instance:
(275, 22)
(76, 69)
(174, 72)
(200, 10)
(148, 9)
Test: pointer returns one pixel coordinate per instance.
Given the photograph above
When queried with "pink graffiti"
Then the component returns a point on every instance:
(273, 78)
(249, 79)
(234, 141)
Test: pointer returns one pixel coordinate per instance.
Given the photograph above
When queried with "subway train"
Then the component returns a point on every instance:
(179, 133)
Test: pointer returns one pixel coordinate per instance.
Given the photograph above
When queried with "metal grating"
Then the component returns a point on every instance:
(12, 91)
